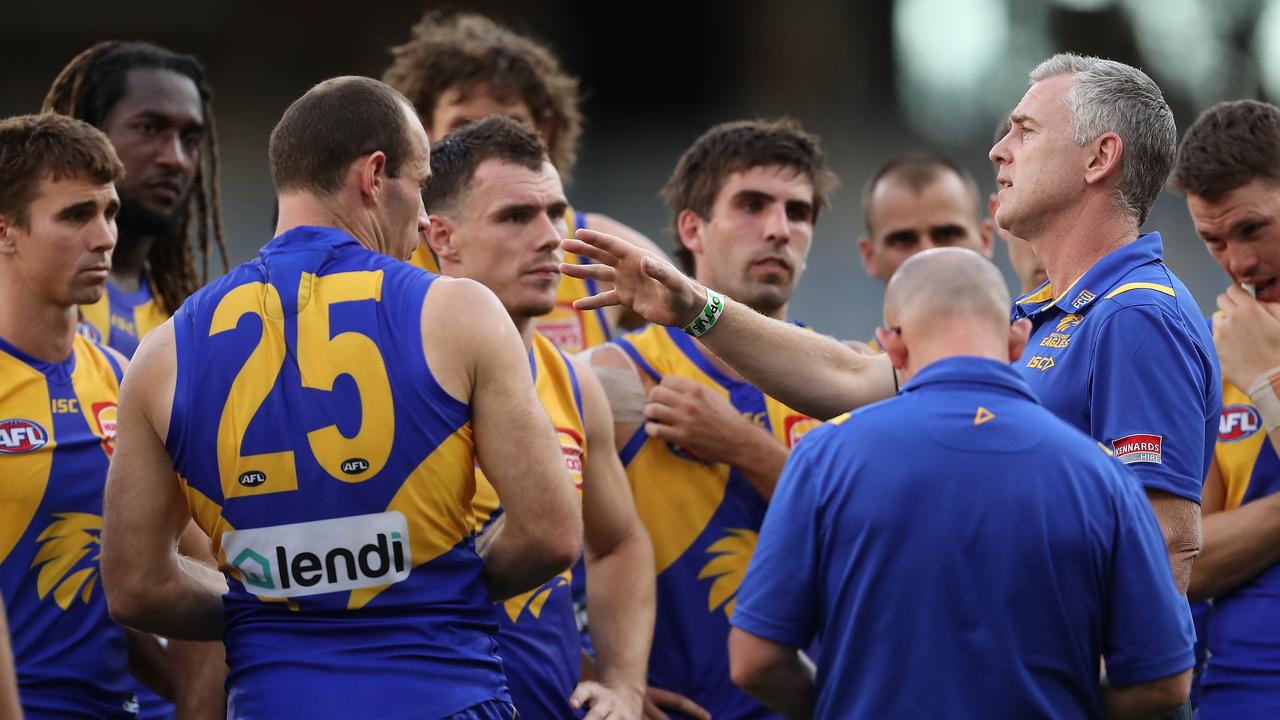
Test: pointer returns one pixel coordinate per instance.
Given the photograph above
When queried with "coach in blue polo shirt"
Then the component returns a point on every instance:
(960, 551)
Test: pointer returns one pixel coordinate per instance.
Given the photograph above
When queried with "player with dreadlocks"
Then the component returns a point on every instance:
(155, 107)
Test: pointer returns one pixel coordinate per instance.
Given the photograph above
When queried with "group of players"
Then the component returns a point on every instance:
(386, 501)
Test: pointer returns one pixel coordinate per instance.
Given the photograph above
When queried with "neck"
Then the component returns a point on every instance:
(952, 338)
(1068, 251)
(128, 261)
(40, 329)
(300, 209)
(526, 328)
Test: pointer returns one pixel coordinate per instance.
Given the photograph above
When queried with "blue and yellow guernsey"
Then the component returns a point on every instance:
(121, 319)
(57, 433)
(703, 520)
(335, 477)
(571, 330)
(1242, 678)
(538, 633)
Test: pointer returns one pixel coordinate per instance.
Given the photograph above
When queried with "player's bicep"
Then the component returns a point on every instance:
(144, 511)
(606, 495)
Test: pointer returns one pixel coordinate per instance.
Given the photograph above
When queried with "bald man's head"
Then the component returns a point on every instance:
(945, 302)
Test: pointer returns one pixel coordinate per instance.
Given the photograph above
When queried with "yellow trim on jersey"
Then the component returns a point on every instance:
(554, 387)
(436, 498)
(1140, 286)
(148, 316)
(99, 315)
(1044, 293)
(24, 394)
(1236, 460)
(423, 257)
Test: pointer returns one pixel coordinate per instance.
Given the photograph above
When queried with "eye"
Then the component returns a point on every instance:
(753, 205)
(148, 128)
(799, 212)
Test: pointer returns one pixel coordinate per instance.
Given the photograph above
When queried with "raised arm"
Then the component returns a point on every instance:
(475, 352)
(620, 594)
(765, 351)
(149, 585)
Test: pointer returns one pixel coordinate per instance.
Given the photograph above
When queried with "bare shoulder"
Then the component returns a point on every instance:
(463, 324)
(606, 224)
(151, 377)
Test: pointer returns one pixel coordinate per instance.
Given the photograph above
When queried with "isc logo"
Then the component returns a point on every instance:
(324, 556)
(1040, 362)
(1238, 422)
(21, 436)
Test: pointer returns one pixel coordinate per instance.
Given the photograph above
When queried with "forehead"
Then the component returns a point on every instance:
(1255, 197)
(498, 181)
(1046, 99)
(782, 182)
(945, 200)
(480, 100)
(163, 92)
(53, 195)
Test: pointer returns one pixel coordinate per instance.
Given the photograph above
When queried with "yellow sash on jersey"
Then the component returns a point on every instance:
(569, 329)
(556, 388)
(146, 317)
(1236, 459)
(676, 494)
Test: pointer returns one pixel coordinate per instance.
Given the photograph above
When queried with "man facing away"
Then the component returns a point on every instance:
(334, 469)
(496, 210)
(959, 550)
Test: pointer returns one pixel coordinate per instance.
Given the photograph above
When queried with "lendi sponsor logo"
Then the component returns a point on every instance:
(323, 556)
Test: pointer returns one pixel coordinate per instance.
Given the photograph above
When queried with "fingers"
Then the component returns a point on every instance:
(610, 244)
(651, 711)
(681, 385)
(586, 692)
(662, 432)
(664, 414)
(671, 701)
(578, 247)
(663, 272)
(594, 271)
(599, 300)
(665, 394)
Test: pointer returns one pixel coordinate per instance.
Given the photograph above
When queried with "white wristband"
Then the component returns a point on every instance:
(709, 315)
(1262, 393)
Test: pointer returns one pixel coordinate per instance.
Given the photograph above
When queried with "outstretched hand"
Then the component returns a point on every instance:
(641, 280)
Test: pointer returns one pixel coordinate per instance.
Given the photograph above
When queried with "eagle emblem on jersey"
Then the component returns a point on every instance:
(64, 545)
(1069, 321)
(535, 599)
(731, 554)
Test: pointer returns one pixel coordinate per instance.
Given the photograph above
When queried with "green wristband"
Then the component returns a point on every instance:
(701, 324)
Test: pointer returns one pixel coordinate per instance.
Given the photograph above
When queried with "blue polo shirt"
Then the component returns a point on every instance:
(960, 551)
(1124, 355)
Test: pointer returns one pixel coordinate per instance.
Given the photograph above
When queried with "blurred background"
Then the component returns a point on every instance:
(873, 78)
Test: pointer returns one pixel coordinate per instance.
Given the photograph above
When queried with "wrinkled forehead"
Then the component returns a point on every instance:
(1045, 101)
(783, 182)
(162, 92)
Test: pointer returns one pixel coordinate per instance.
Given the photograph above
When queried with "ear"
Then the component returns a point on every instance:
(7, 244)
(547, 131)
(689, 224)
(1019, 332)
(371, 171)
(1103, 160)
(986, 233)
(891, 343)
(442, 238)
(867, 251)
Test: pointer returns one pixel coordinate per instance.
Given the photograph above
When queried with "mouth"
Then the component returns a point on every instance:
(1264, 290)
(166, 190)
(772, 264)
(544, 271)
(97, 272)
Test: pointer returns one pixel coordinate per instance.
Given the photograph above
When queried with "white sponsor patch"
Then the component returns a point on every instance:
(1138, 449)
(324, 556)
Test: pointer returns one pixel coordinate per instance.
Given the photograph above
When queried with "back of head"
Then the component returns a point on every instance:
(1228, 146)
(333, 124)
(917, 171)
(455, 159)
(738, 146)
(467, 50)
(36, 147)
(946, 287)
(1109, 96)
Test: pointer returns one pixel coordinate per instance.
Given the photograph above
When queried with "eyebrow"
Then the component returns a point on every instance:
(1021, 119)
(165, 119)
(557, 206)
(75, 209)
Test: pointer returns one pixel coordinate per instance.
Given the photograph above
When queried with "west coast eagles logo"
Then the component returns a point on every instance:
(536, 599)
(1069, 321)
(731, 554)
(66, 570)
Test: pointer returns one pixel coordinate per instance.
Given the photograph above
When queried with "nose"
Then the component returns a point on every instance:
(173, 154)
(549, 233)
(1242, 261)
(999, 153)
(102, 235)
(777, 225)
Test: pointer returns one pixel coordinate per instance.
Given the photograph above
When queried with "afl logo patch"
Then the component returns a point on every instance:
(1238, 422)
(21, 436)
(355, 466)
(252, 478)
